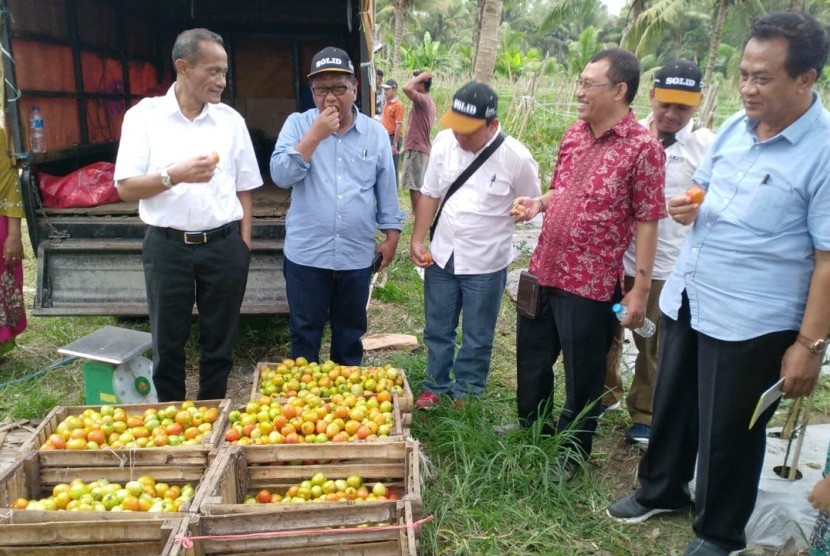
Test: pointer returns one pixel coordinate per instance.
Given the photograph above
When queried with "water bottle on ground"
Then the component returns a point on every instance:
(37, 131)
(647, 329)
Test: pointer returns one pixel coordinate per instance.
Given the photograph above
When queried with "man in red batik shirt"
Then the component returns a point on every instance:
(608, 184)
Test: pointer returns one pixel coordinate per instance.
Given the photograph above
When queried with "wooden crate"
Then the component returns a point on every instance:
(400, 430)
(30, 479)
(166, 455)
(115, 534)
(91, 532)
(243, 469)
(337, 531)
(407, 400)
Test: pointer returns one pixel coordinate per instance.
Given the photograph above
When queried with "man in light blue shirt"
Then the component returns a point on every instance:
(749, 300)
(338, 165)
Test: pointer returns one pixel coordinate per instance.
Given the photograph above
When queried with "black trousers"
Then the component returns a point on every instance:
(705, 394)
(214, 276)
(581, 329)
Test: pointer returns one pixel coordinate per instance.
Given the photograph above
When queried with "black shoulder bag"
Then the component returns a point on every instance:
(465, 175)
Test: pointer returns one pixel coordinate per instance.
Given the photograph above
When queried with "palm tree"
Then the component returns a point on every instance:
(485, 60)
(402, 8)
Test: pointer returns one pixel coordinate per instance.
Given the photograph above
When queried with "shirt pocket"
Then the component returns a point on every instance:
(494, 194)
(773, 207)
(364, 170)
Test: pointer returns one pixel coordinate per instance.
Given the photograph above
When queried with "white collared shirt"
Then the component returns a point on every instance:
(682, 159)
(476, 225)
(156, 135)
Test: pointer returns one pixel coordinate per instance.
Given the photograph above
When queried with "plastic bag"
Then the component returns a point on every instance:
(89, 186)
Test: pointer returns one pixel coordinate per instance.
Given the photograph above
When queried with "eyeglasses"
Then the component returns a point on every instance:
(580, 84)
(336, 90)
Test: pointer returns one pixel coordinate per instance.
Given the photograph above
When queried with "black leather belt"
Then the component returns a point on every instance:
(198, 238)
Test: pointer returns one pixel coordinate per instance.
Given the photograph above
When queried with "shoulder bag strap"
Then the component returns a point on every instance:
(465, 175)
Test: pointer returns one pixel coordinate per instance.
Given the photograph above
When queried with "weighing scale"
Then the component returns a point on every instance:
(114, 370)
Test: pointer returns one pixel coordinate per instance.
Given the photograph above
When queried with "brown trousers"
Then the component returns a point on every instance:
(641, 391)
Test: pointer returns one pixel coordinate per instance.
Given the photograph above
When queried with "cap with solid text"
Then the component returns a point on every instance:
(390, 84)
(678, 82)
(473, 105)
(331, 59)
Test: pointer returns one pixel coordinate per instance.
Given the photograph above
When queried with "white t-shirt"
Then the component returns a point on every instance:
(476, 225)
(682, 159)
(156, 135)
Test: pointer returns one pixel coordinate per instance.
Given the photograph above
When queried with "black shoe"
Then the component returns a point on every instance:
(702, 547)
(628, 510)
(563, 470)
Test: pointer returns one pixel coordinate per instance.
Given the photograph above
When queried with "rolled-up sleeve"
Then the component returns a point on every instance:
(386, 188)
(287, 165)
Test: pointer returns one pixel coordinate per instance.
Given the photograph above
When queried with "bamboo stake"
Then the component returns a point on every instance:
(806, 418)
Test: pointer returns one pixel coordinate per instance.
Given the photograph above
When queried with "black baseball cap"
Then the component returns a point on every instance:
(473, 105)
(331, 59)
(678, 82)
(390, 84)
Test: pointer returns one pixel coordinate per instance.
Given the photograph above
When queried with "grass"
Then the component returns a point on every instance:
(489, 494)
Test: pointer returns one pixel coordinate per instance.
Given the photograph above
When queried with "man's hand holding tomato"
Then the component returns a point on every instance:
(682, 209)
(419, 254)
(532, 206)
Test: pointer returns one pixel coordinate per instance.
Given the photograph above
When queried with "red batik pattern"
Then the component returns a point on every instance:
(601, 186)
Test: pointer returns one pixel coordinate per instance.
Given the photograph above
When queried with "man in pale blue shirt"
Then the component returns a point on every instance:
(749, 300)
(338, 165)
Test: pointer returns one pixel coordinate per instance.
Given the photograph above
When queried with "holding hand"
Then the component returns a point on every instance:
(682, 209)
(326, 123)
(419, 254)
(526, 208)
(195, 170)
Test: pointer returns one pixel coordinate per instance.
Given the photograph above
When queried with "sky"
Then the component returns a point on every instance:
(614, 6)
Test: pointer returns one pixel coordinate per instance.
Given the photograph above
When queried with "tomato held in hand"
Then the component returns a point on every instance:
(695, 194)
(427, 258)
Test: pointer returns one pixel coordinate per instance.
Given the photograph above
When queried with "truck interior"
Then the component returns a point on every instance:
(85, 62)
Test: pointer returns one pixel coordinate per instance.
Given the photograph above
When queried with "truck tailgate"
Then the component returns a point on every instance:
(67, 268)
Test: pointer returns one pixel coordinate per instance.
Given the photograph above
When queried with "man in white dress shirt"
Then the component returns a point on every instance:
(473, 241)
(188, 159)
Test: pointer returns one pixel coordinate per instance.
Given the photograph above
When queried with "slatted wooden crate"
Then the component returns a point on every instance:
(30, 479)
(407, 401)
(340, 530)
(160, 456)
(244, 469)
(85, 532)
(116, 534)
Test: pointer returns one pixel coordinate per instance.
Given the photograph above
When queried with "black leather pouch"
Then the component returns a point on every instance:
(527, 297)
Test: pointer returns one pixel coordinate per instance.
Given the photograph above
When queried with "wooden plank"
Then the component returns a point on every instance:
(149, 548)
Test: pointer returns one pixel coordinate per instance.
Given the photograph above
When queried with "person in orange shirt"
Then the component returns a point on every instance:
(392, 120)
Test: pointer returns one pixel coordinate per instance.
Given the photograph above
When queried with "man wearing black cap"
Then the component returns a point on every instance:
(747, 306)
(472, 245)
(674, 98)
(607, 185)
(392, 119)
(337, 163)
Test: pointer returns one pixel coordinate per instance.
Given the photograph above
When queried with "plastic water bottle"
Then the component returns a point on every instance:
(37, 131)
(646, 330)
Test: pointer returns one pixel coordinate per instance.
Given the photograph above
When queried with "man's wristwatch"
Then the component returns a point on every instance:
(166, 180)
(816, 347)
